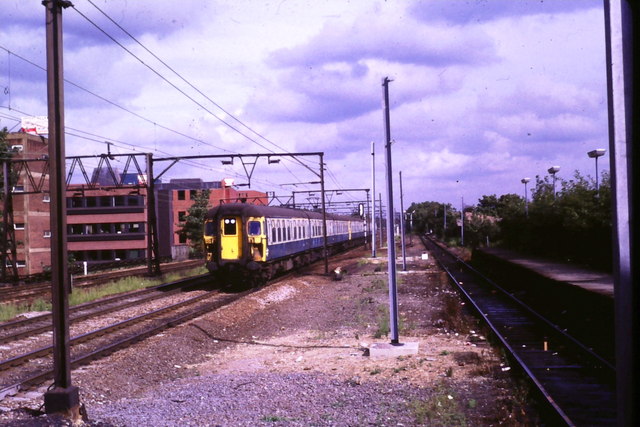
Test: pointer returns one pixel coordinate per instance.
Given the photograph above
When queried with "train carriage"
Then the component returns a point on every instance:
(244, 241)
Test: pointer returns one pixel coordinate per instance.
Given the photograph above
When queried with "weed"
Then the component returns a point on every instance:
(273, 418)
(375, 371)
(444, 353)
(449, 372)
(472, 403)
(376, 285)
(441, 409)
(79, 296)
(382, 320)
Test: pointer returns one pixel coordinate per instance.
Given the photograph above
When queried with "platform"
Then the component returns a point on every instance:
(589, 280)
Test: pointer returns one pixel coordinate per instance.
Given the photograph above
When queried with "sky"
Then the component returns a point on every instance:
(483, 92)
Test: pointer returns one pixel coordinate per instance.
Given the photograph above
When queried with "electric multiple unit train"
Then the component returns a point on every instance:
(251, 242)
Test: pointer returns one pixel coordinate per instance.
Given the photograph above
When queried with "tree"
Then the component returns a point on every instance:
(192, 229)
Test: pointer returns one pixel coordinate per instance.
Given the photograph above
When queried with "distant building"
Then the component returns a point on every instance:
(31, 201)
(105, 225)
(105, 221)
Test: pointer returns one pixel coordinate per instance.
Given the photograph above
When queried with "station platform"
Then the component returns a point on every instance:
(589, 280)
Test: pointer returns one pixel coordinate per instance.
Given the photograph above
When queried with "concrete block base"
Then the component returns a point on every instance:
(61, 400)
(387, 350)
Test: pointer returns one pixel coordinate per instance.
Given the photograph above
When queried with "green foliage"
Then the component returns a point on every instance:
(428, 217)
(575, 225)
(193, 225)
(441, 409)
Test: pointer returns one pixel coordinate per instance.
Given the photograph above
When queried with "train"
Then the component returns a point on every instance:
(251, 244)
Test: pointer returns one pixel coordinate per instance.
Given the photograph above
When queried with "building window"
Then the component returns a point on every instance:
(182, 238)
(181, 195)
(20, 263)
(193, 194)
(46, 234)
(18, 226)
(18, 189)
(181, 216)
(46, 198)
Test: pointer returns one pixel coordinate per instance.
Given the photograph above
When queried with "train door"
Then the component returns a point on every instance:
(231, 238)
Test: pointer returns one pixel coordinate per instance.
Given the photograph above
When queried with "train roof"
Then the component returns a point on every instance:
(248, 209)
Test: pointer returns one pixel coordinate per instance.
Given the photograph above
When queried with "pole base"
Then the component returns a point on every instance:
(62, 400)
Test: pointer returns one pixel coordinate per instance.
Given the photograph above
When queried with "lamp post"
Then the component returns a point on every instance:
(526, 198)
(553, 170)
(594, 154)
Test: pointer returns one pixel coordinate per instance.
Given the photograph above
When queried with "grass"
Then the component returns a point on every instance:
(376, 285)
(79, 296)
(441, 409)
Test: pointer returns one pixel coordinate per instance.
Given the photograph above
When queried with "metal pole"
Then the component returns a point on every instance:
(380, 218)
(526, 201)
(597, 184)
(153, 262)
(391, 246)
(404, 248)
(324, 217)
(373, 193)
(462, 221)
(368, 216)
(622, 87)
(444, 232)
(63, 397)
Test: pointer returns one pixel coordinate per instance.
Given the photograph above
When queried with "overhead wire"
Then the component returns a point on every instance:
(108, 101)
(329, 173)
(188, 83)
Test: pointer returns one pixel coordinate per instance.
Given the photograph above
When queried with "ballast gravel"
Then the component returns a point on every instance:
(294, 353)
(265, 399)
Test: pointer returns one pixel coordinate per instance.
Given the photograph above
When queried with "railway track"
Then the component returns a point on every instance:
(29, 292)
(28, 327)
(576, 383)
(33, 366)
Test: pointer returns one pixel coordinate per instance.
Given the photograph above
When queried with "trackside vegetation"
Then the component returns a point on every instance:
(79, 296)
(574, 226)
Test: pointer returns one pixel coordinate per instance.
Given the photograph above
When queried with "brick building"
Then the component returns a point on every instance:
(104, 222)
(31, 203)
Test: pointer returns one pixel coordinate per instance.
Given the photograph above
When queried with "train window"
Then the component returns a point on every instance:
(209, 228)
(279, 234)
(254, 228)
(273, 234)
(230, 226)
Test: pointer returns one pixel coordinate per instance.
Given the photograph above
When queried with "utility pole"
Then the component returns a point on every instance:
(325, 249)
(444, 231)
(153, 260)
(380, 216)
(391, 247)
(404, 248)
(462, 221)
(373, 193)
(63, 397)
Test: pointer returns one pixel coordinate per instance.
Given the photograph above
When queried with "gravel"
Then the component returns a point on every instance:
(294, 354)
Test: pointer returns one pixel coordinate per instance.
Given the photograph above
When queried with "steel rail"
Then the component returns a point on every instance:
(144, 296)
(122, 343)
(43, 351)
(549, 375)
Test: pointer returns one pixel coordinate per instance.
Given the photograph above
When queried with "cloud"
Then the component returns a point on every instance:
(382, 39)
(482, 11)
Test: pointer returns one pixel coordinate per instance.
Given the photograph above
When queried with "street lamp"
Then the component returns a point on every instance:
(594, 154)
(553, 170)
(526, 198)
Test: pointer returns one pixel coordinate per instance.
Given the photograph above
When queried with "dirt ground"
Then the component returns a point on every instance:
(310, 323)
